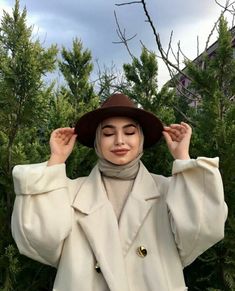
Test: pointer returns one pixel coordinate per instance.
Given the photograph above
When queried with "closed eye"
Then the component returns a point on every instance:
(108, 134)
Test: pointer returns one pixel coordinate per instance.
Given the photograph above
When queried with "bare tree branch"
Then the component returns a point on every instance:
(226, 6)
(212, 31)
(159, 45)
(122, 36)
(105, 78)
(233, 20)
(177, 82)
(185, 116)
(157, 38)
(173, 69)
(197, 46)
(149, 51)
(169, 44)
(174, 55)
(128, 3)
(178, 54)
(182, 53)
(187, 93)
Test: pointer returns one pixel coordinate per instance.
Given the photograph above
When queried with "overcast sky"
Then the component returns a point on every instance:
(92, 21)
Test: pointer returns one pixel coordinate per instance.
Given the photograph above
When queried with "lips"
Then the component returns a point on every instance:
(120, 152)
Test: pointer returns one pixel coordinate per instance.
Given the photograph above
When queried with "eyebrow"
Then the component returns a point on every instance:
(113, 127)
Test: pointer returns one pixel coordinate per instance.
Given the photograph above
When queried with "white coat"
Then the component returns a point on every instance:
(70, 224)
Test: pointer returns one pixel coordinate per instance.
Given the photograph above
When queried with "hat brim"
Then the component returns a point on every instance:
(86, 126)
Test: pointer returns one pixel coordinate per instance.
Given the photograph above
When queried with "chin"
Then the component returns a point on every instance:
(119, 162)
(122, 163)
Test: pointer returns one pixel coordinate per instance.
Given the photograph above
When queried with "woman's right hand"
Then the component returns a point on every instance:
(61, 143)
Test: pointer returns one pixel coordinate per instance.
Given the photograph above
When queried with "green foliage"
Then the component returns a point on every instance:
(214, 135)
(22, 65)
(10, 267)
(141, 77)
(63, 114)
(76, 67)
(30, 109)
(72, 102)
(24, 104)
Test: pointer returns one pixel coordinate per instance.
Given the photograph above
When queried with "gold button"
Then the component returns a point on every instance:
(97, 268)
(141, 251)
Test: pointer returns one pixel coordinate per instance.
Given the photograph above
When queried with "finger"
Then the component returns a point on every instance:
(174, 132)
(67, 131)
(63, 130)
(168, 138)
(72, 140)
(182, 127)
(62, 134)
(175, 126)
(186, 126)
(176, 138)
(176, 135)
(56, 136)
(68, 137)
(181, 130)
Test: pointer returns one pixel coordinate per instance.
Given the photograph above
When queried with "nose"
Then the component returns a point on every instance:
(119, 139)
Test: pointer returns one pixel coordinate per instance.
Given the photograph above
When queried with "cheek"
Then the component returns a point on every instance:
(135, 143)
(105, 144)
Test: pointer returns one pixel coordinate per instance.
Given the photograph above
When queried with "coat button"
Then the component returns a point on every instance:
(141, 251)
(97, 268)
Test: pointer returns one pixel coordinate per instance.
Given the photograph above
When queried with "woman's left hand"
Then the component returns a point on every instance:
(178, 137)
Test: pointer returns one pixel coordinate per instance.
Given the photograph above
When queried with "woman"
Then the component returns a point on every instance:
(121, 228)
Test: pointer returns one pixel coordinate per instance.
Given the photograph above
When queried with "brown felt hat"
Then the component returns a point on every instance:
(118, 105)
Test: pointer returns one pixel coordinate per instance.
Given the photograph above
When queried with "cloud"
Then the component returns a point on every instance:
(92, 21)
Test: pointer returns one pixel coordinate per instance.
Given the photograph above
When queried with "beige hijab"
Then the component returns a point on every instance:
(118, 179)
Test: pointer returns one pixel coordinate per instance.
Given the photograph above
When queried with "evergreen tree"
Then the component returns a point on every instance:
(214, 135)
(64, 114)
(76, 66)
(78, 93)
(23, 104)
(142, 86)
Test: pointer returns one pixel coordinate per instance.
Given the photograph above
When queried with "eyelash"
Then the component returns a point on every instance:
(110, 134)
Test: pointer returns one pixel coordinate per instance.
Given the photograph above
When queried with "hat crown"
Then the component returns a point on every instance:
(118, 105)
(117, 100)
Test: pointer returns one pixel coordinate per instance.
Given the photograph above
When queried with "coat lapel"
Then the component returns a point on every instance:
(99, 223)
(139, 203)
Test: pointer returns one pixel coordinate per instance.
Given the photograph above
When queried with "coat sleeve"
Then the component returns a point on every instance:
(196, 206)
(41, 218)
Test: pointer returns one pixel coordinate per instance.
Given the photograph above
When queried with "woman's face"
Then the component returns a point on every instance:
(120, 140)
